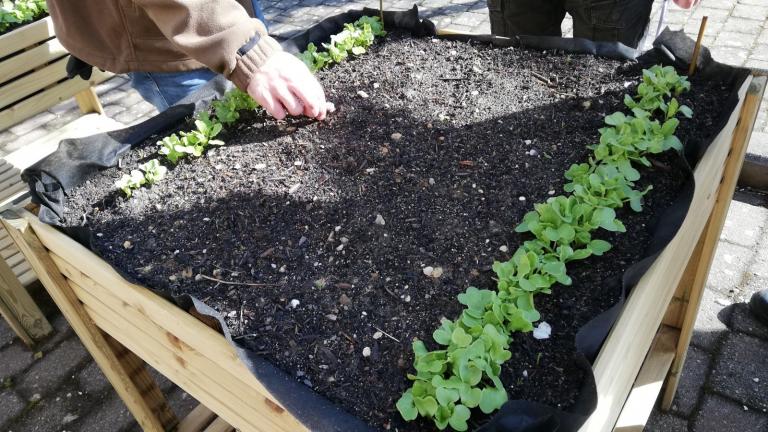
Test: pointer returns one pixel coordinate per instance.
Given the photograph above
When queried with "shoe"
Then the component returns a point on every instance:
(758, 304)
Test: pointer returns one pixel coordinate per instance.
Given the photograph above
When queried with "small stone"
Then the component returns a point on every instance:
(362, 94)
(294, 188)
(397, 136)
(376, 85)
(586, 104)
(723, 302)
(232, 314)
(533, 152)
(127, 244)
(452, 52)
(298, 163)
(69, 418)
(344, 240)
(522, 198)
(172, 278)
(407, 299)
(431, 181)
(366, 352)
(99, 234)
(331, 317)
(757, 380)
(525, 373)
(428, 270)
(260, 166)
(283, 269)
(542, 331)
(198, 277)
(379, 220)
(437, 272)
(504, 249)
(378, 335)
(475, 93)
(551, 192)
(527, 142)
(337, 228)
(36, 398)
(302, 240)
(294, 303)
(340, 248)
(344, 300)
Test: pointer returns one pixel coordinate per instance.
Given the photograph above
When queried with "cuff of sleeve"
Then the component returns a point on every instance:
(252, 60)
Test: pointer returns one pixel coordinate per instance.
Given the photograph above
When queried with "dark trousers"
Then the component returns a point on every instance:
(622, 21)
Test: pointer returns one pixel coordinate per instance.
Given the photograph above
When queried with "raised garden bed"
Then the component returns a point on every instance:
(281, 230)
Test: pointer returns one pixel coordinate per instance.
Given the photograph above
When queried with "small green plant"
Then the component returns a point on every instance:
(20, 11)
(354, 39)
(147, 174)
(464, 373)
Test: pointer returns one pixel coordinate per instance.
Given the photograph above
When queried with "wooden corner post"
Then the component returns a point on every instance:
(125, 371)
(690, 291)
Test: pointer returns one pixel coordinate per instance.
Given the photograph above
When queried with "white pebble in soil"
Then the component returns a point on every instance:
(542, 331)
(294, 303)
(366, 352)
(379, 220)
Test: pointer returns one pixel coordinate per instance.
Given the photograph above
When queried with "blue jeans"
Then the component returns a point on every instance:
(163, 89)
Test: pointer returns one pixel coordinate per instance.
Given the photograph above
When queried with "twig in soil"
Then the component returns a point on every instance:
(348, 337)
(453, 78)
(541, 78)
(387, 334)
(237, 283)
(391, 293)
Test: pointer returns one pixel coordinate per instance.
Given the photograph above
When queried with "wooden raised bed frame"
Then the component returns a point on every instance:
(124, 325)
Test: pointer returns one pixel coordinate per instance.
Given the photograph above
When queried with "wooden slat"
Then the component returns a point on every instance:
(10, 173)
(77, 317)
(89, 102)
(219, 425)
(200, 418)
(25, 277)
(33, 82)
(713, 229)
(46, 99)
(9, 316)
(25, 36)
(621, 357)
(648, 384)
(18, 306)
(31, 59)
(214, 384)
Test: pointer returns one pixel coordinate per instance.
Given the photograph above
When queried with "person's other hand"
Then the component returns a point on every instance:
(686, 4)
(284, 85)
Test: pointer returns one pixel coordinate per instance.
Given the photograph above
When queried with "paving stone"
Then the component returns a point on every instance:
(24, 140)
(731, 56)
(743, 321)
(54, 412)
(6, 334)
(112, 415)
(11, 405)
(720, 4)
(53, 368)
(740, 371)
(732, 39)
(710, 323)
(759, 267)
(745, 222)
(753, 12)
(728, 267)
(759, 52)
(7, 137)
(719, 414)
(32, 123)
(92, 380)
(691, 386)
(665, 422)
(741, 25)
(15, 358)
(62, 331)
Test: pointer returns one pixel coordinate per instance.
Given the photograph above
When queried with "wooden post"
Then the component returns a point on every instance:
(701, 262)
(88, 101)
(119, 373)
(19, 310)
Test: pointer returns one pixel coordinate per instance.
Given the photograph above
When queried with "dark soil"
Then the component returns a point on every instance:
(483, 134)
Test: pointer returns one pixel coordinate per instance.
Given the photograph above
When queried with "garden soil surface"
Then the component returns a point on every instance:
(436, 150)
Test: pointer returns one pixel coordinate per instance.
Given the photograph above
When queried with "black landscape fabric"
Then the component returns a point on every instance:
(51, 179)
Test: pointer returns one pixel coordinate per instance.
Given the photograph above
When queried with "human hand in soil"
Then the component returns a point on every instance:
(686, 4)
(284, 85)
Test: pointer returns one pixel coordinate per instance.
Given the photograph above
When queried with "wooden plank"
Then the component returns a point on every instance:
(147, 386)
(89, 102)
(46, 99)
(645, 391)
(9, 173)
(74, 312)
(200, 418)
(36, 81)
(713, 229)
(621, 357)
(213, 384)
(178, 325)
(24, 37)
(18, 306)
(31, 59)
(15, 325)
(219, 425)
(27, 276)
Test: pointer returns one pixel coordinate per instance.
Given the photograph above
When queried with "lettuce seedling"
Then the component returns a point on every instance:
(131, 181)
(153, 171)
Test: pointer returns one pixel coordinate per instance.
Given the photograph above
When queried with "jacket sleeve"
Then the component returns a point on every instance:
(217, 33)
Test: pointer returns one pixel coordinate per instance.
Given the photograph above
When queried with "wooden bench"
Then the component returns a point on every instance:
(33, 78)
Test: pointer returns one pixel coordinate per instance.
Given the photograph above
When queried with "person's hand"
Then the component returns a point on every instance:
(284, 85)
(686, 4)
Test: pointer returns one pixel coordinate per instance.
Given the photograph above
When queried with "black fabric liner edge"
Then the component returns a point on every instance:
(48, 183)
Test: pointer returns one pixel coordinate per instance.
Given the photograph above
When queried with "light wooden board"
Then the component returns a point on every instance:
(48, 98)
(648, 384)
(31, 59)
(621, 357)
(197, 420)
(33, 82)
(25, 36)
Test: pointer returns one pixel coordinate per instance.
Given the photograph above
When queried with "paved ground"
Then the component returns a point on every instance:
(725, 383)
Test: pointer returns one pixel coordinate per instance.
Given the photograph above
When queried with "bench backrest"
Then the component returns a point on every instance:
(33, 74)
